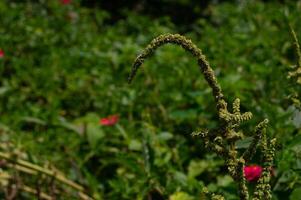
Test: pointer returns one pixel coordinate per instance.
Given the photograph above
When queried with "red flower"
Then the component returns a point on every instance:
(1, 53)
(65, 2)
(109, 121)
(252, 172)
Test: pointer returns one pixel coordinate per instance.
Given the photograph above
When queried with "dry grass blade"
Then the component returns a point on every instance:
(33, 169)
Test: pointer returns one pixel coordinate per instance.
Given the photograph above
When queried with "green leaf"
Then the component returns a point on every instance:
(135, 145)
(181, 196)
(92, 128)
(163, 136)
(296, 194)
(244, 143)
(183, 114)
(224, 181)
(196, 168)
(94, 134)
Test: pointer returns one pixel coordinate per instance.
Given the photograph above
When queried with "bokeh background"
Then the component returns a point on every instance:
(64, 67)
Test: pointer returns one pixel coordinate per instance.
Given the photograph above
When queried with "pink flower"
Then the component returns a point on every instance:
(1, 53)
(109, 121)
(252, 172)
(65, 2)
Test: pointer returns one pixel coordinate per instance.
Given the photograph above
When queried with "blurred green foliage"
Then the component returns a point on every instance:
(65, 68)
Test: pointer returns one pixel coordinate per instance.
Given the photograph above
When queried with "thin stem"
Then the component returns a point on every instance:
(243, 190)
(297, 46)
(249, 153)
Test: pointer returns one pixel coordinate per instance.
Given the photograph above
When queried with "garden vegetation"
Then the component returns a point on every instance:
(71, 128)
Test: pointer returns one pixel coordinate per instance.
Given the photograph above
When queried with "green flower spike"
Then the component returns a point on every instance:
(222, 140)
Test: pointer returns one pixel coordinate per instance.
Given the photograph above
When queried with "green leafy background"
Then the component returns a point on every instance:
(65, 67)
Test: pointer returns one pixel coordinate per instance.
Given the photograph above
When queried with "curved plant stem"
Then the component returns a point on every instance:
(191, 48)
